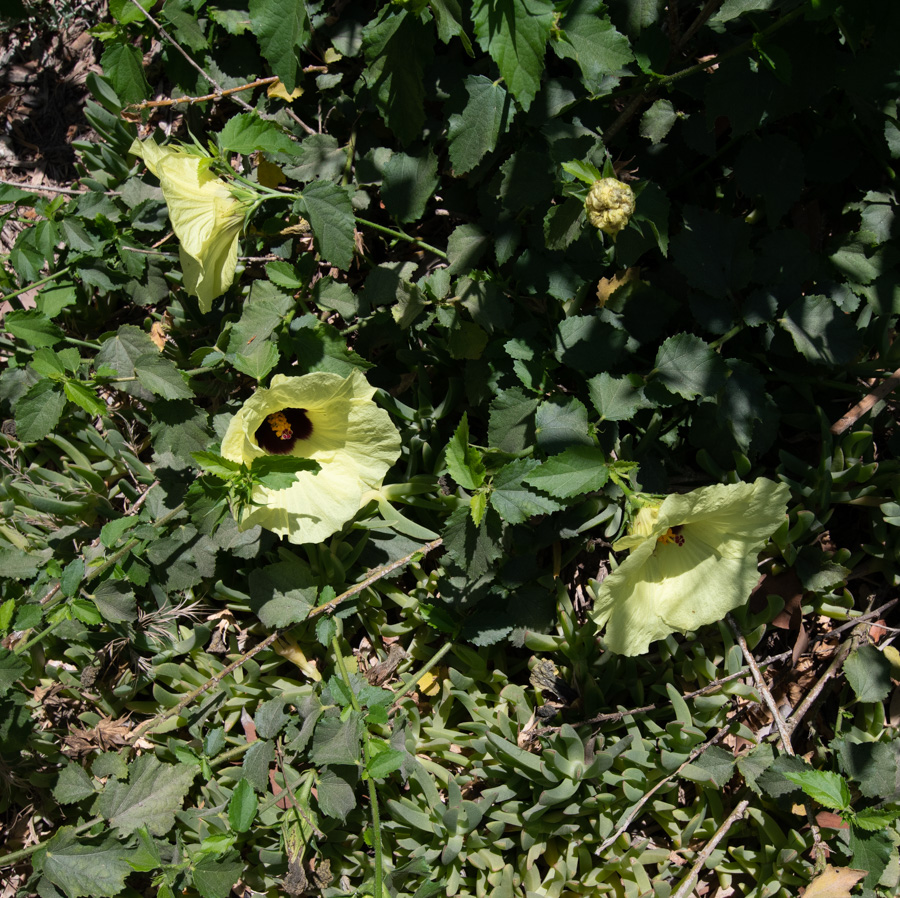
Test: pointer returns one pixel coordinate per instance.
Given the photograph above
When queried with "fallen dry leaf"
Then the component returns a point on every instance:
(835, 882)
(607, 286)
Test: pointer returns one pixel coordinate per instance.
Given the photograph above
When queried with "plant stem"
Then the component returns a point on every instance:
(414, 678)
(401, 236)
(8, 859)
(20, 649)
(36, 284)
(373, 793)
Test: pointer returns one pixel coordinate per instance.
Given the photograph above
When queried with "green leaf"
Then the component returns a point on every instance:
(271, 717)
(398, 47)
(820, 331)
(11, 667)
(580, 469)
(72, 575)
(335, 795)
(515, 34)
(278, 472)
(772, 168)
(282, 593)
(686, 365)
(38, 411)
(511, 425)
(54, 298)
(385, 763)
(512, 499)
(73, 784)
(874, 765)
(257, 760)
(216, 464)
(560, 422)
(591, 40)
(466, 245)
(85, 397)
(160, 376)
(258, 361)
(85, 870)
(242, 807)
(188, 31)
(18, 564)
(246, 133)
(215, 875)
(48, 363)
(467, 339)
(318, 156)
(584, 171)
(265, 312)
(154, 792)
(617, 398)
(449, 18)
(473, 547)
(657, 121)
(76, 237)
(337, 741)
(285, 275)
(110, 763)
(872, 819)
(125, 11)
(331, 218)
(409, 182)
(827, 788)
(892, 137)
(869, 674)
(871, 852)
(717, 765)
(28, 617)
(713, 252)
(123, 65)
(35, 328)
(464, 461)
(753, 765)
(115, 601)
(281, 28)
(474, 133)
(122, 351)
(563, 224)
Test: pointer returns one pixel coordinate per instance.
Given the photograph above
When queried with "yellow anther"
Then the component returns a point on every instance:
(280, 425)
(671, 537)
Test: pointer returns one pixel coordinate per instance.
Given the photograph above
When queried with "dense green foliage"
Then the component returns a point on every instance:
(454, 724)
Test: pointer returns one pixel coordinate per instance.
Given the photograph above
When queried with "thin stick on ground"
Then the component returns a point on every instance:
(783, 732)
(153, 722)
(761, 686)
(865, 404)
(629, 817)
(687, 884)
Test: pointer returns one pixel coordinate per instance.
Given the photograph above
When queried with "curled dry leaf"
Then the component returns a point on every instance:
(835, 882)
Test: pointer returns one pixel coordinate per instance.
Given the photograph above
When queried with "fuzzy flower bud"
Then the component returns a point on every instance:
(609, 205)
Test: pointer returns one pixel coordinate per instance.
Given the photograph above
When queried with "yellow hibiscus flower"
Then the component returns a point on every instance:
(692, 560)
(206, 215)
(324, 417)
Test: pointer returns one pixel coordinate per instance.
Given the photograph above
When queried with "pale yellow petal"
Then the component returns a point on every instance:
(680, 585)
(353, 440)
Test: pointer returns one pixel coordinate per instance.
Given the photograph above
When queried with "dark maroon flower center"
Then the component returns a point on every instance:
(279, 433)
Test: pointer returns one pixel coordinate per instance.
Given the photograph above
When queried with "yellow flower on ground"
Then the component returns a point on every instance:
(609, 205)
(324, 417)
(206, 215)
(693, 559)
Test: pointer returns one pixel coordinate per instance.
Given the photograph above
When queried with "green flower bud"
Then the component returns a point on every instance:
(609, 205)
